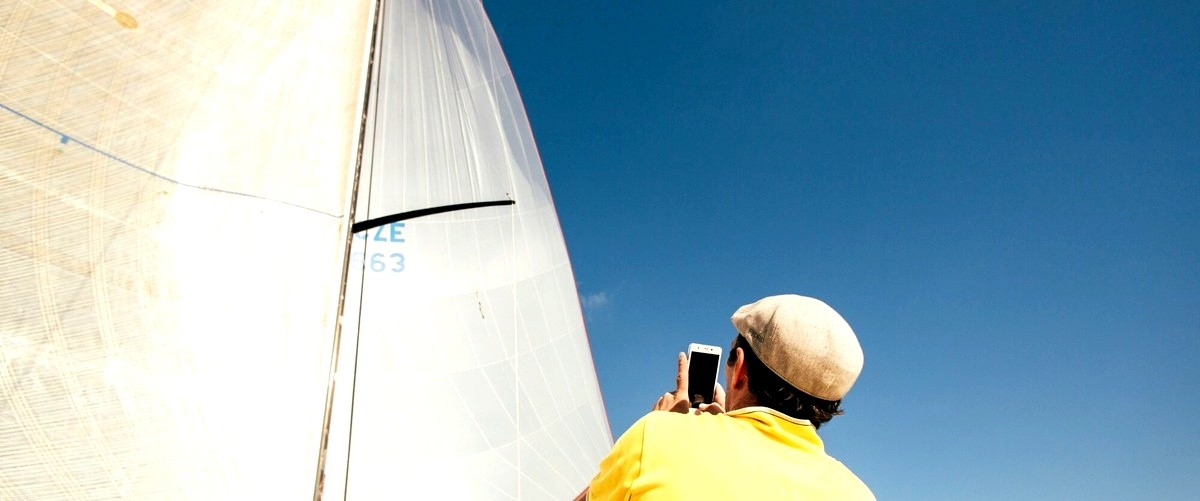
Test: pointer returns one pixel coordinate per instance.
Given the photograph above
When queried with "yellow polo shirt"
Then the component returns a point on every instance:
(751, 453)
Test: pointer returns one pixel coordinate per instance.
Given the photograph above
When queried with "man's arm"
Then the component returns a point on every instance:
(623, 464)
(620, 469)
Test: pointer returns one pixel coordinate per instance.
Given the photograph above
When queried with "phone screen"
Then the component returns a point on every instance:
(702, 376)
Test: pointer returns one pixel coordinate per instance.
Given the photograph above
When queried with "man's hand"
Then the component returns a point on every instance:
(679, 401)
(718, 404)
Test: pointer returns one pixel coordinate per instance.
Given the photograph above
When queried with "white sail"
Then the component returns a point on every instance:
(174, 191)
(473, 377)
(176, 182)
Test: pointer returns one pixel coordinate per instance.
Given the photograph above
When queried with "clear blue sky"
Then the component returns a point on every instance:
(1003, 200)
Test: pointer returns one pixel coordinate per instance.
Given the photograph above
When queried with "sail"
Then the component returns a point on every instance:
(179, 182)
(174, 197)
(465, 351)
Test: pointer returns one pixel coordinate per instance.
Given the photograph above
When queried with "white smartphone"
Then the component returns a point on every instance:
(703, 363)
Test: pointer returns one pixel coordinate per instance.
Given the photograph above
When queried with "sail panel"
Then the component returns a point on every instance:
(472, 374)
(172, 220)
(456, 85)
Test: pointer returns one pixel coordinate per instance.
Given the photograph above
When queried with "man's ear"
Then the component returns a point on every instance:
(737, 374)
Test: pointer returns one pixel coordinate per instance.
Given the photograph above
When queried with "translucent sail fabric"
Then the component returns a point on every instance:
(473, 377)
(174, 198)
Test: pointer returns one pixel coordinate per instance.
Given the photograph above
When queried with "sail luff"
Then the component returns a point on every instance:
(369, 63)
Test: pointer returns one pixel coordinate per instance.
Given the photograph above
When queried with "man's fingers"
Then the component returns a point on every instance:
(668, 402)
(664, 402)
(681, 378)
(718, 404)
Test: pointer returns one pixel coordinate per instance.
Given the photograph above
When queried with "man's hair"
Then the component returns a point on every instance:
(769, 390)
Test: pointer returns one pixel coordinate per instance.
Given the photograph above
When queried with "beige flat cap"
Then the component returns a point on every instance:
(804, 342)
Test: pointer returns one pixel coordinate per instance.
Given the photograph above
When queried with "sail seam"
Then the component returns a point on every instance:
(67, 138)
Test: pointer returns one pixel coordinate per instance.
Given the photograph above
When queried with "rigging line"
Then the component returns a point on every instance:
(374, 111)
(371, 114)
(335, 351)
(65, 138)
(516, 342)
(404, 216)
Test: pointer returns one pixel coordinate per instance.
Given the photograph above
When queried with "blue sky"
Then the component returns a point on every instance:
(1003, 200)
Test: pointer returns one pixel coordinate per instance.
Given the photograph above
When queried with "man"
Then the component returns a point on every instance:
(792, 361)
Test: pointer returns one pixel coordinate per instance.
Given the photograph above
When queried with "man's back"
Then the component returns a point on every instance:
(749, 453)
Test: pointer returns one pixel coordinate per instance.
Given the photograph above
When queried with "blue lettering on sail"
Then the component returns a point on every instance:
(387, 233)
(381, 261)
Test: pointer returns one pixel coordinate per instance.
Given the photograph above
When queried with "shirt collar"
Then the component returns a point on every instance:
(784, 428)
(773, 412)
